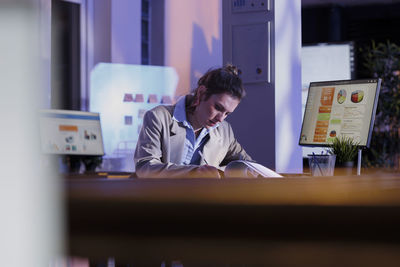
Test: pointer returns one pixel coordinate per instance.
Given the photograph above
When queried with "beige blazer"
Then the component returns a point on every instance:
(160, 146)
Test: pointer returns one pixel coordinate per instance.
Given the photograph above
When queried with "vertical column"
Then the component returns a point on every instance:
(126, 31)
(287, 65)
(45, 51)
(263, 38)
(248, 44)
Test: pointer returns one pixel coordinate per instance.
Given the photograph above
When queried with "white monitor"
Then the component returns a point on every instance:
(340, 108)
(67, 132)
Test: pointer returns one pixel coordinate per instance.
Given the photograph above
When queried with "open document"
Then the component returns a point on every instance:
(248, 169)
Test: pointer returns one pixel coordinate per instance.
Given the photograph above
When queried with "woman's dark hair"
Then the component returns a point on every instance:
(222, 80)
(218, 81)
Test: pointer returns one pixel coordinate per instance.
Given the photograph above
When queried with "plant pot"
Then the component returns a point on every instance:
(90, 167)
(74, 164)
(345, 168)
(91, 163)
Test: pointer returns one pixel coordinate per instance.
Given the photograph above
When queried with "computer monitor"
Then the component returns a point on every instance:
(324, 62)
(67, 132)
(340, 108)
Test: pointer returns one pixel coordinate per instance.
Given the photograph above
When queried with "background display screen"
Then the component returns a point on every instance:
(71, 132)
(339, 108)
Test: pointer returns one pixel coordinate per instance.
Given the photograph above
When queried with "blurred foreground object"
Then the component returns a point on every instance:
(30, 208)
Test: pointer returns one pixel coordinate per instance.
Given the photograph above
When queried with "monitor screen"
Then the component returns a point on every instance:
(70, 132)
(340, 108)
(324, 62)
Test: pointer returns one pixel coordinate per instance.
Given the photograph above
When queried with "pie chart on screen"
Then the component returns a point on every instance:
(357, 96)
(341, 97)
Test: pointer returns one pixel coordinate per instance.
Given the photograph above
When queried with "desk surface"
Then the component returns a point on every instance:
(354, 190)
(355, 212)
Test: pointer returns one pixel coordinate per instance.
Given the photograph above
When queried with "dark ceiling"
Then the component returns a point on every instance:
(307, 3)
(358, 21)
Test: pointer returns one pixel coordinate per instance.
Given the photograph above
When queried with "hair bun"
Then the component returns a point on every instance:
(232, 69)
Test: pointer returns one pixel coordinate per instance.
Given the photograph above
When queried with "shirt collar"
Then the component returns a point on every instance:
(180, 112)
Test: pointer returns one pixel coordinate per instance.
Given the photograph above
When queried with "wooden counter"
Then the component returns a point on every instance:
(290, 221)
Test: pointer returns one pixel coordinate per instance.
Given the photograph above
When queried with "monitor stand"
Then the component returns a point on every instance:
(359, 161)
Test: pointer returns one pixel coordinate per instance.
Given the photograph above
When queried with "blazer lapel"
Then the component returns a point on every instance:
(177, 139)
(212, 149)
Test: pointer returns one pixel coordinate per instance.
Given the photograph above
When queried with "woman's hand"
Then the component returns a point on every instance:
(207, 171)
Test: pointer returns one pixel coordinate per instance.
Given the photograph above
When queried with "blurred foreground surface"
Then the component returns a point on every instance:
(296, 221)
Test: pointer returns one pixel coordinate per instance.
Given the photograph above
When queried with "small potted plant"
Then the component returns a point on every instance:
(345, 148)
(91, 162)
